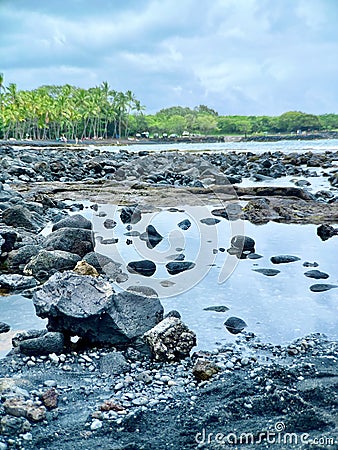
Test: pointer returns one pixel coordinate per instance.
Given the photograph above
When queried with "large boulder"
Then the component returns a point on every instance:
(46, 263)
(15, 283)
(76, 221)
(170, 340)
(17, 259)
(73, 240)
(20, 216)
(88, 307)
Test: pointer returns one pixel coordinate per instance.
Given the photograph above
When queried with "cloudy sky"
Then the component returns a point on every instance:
(237, 56)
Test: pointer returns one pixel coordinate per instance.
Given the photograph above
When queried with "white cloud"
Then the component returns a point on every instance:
(239, 56)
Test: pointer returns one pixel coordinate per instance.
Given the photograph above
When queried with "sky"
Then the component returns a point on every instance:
(248, 57)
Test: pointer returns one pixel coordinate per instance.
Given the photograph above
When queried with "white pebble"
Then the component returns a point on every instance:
(96, 425)
(53, 358)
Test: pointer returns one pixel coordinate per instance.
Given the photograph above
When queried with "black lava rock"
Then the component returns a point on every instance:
(283, 259)
(235, 325)
(130, 214)
(267, 272)
(185, 224)
(317, 274)
(144, 267)
(176, 267)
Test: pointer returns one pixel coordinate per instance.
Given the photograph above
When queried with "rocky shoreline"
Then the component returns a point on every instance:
(125, 393)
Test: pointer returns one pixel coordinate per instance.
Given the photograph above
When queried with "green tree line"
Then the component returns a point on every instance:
(53, 112)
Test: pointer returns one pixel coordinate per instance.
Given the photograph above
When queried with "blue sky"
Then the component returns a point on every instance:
(236, 56)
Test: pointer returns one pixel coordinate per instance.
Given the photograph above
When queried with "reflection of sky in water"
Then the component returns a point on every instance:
(19, 313)
(278, 309)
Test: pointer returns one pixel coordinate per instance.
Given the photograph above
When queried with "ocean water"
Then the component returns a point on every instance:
(277, 309)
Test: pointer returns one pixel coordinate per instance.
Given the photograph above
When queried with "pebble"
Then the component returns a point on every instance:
(96, 424)
(54, 358)
(50, 383)
(140, 401)
(3, 446)
(30, 363)
(118, 386)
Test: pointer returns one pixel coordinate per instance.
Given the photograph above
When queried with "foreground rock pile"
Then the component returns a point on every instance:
(163, 168)
(108, 399)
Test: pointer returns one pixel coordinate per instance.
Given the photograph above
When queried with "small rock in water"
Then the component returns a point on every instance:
(184, 224)
(220, 308)
(209, 221)
(241, 246)
(151, 236)
(109, 223)
(310, 264)
(130, 214)
(4, 327)
(232, 212)
(317, 274)
(176, 267)
(322, 287)
(254, 256)
(235, 325)
(144, 267)
(267, 272)
(326, 231)
(283, 259)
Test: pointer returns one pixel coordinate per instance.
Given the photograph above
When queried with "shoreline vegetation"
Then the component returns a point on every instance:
(71, 114)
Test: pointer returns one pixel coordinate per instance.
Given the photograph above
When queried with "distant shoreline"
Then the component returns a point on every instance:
(184, 140)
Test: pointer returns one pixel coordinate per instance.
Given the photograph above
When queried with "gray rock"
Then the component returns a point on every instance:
(89, 308)
(203, 369)
(209, 221)
(243, 243)
(145, 291)
(317, 274)
(18, 258)
(20, 216)
(21, 336)
(184, 224)
(4, 327)
(241, 246)
(76, 221)
(144, 267)
(175, 267)
(233, 211)
(114, 364)
(12, 426)
(267, 272)
(109, 223)
(130, 214)
(322, 287)
(9, 237)
(73, 240)
(151, 236)
(50, 342)
(15, 282)
(219, 308)
(170, 340)
(99, 261)
(283, 259)
(235, 325)
(326, 231)
(45, 263)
